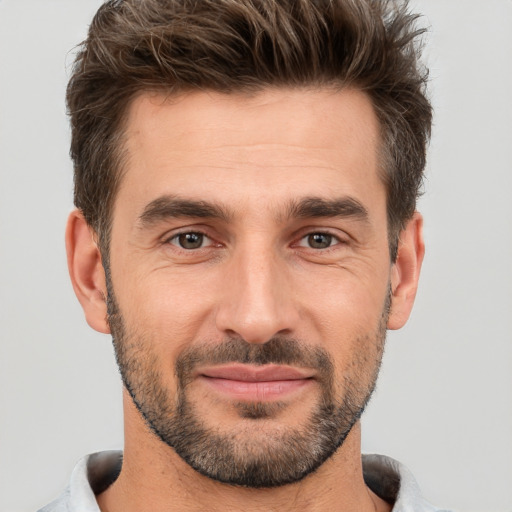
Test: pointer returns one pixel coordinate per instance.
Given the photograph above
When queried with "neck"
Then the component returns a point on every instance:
(154, 478)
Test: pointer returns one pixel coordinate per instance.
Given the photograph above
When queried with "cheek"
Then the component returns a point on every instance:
(345, 304)
(348, 319)
(166, 306)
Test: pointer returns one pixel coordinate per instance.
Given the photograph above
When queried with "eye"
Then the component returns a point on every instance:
(318, 241)
(190, 240)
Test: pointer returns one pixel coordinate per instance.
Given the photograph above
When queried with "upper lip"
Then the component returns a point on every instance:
(249, 373)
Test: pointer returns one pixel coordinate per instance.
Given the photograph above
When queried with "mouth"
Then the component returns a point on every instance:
(256, 383)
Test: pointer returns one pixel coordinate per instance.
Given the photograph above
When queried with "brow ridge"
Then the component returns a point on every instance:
(166, 207)
(316, 207)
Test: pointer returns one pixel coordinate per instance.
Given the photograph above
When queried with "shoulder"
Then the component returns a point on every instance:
(58, 505)
(394, 483)
(92, 474)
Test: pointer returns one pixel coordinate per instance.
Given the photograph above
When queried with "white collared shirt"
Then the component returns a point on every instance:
(94, 473)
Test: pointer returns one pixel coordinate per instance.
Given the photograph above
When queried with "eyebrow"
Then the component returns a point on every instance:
(168, 207)
(316, 207)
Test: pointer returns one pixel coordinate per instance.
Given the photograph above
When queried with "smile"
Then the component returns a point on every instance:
(256, 383)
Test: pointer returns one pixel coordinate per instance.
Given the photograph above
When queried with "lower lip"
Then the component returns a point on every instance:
(256, 391)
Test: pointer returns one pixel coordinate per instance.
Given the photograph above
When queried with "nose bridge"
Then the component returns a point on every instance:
(256, 306)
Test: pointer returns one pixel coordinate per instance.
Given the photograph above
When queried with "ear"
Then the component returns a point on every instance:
(86, 271)
(405, 272)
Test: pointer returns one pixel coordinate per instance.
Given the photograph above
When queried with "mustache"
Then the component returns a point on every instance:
(279, 350)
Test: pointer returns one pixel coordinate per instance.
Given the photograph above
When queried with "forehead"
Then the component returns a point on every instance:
(286, 142)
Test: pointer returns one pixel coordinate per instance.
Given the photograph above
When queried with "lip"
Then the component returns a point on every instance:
(256, 383)
(249, 373)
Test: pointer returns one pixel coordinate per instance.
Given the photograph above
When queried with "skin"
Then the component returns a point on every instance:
(256, 275)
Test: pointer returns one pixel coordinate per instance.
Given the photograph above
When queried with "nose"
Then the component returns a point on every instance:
(258, 302)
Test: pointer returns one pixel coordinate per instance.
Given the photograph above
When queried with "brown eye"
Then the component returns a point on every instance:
(319, 241)
(190, 240)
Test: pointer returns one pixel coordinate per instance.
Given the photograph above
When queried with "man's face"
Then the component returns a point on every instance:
(250, 276)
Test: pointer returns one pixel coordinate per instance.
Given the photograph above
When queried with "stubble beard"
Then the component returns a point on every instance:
(250, 456)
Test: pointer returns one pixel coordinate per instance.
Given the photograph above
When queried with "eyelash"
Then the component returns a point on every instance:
(333, 240)
(174, 240)
(185, 233)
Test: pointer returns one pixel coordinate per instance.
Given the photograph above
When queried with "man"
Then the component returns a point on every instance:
(246, 174)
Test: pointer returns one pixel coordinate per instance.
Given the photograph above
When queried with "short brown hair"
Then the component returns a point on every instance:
(247, 45)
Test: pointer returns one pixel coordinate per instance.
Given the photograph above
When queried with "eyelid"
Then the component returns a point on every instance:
(335, 239)
(169, 237)
(206, 240)
(340, 237)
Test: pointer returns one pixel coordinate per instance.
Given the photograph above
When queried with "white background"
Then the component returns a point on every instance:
(444, 400)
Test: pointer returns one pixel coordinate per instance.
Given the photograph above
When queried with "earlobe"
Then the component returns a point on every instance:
(405, 272)
(86, 271)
